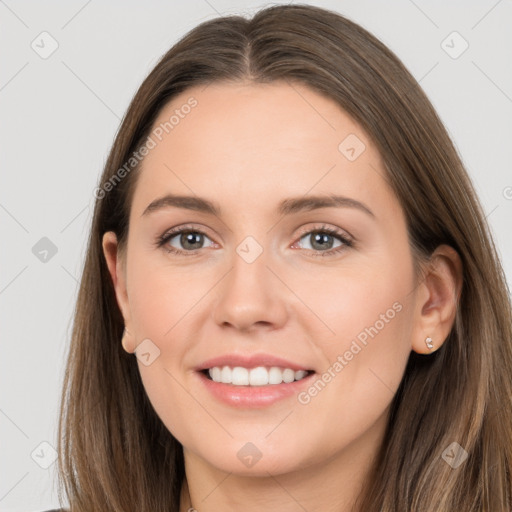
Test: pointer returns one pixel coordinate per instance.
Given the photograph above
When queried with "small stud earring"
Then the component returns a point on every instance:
(429, 343)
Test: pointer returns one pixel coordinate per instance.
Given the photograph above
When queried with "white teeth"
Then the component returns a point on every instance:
(239, 376)
(216, 374)
(225, 375)
(259, 376)
(275, 375)
(288, 375)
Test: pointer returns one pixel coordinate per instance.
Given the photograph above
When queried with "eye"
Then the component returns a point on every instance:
(321, 241)
(190, 239)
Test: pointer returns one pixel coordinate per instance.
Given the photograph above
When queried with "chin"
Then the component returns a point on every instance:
(252, 459)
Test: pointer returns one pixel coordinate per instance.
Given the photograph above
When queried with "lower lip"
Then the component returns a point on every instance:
(253, 396)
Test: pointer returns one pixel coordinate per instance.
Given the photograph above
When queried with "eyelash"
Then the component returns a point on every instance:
(162, 240)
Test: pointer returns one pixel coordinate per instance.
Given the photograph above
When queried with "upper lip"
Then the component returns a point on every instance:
(250, 361)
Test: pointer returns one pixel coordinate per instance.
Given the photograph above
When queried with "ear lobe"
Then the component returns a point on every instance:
(437, 299)
(116, 268)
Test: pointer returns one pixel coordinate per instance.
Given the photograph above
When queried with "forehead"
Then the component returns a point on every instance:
(255, 144)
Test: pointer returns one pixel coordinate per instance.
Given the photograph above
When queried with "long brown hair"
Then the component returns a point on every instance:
(115, 454)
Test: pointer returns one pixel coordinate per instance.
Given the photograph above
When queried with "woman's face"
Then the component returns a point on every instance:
(261, 277)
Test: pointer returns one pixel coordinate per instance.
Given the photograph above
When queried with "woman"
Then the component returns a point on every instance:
(217, 363)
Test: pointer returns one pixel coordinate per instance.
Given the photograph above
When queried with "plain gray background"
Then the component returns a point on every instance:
(59, 115)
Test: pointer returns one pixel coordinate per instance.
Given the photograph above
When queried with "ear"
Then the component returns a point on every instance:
(116, 263)
(437, 298)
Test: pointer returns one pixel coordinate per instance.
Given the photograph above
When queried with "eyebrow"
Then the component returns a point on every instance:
(286, 207)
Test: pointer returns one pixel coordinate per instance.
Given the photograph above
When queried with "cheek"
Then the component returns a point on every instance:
(364, 301)
(159, 301)
(162, 301)
(370, 312)
(365, 361)
(159, 295)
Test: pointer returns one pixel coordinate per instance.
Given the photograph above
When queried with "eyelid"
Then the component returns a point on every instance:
(187, 227)
(330, 229)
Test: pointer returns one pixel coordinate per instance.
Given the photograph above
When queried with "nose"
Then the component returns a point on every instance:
(251, 296)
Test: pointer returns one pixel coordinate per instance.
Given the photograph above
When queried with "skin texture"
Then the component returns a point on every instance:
(247, 147)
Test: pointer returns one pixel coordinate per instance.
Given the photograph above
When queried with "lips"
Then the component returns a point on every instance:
(251, 361)
(252, 397)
